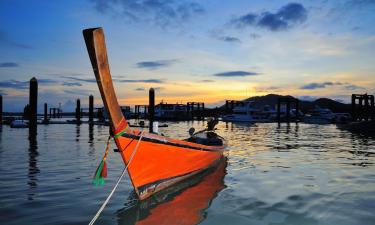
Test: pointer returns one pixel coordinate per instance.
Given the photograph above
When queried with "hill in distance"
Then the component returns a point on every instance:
(271, 100)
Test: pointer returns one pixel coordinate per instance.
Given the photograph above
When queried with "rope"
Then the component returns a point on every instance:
(117, 183)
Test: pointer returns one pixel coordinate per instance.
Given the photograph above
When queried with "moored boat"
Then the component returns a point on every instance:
(157, 162)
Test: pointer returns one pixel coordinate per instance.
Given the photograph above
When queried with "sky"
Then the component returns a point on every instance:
(209, 50)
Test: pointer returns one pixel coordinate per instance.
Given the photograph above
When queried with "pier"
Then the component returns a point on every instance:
(364, 109)
(287, 101)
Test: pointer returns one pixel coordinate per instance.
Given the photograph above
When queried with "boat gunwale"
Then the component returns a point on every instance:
(174, 142)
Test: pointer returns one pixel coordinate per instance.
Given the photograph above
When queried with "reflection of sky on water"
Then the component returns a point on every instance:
(296, 174)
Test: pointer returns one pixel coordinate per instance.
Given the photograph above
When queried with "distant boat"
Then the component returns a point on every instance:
(248, 113)
(158, 161)
(165, 111)
(18, 124)
(319, 116)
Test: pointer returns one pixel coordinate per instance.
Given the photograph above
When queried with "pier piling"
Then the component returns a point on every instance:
(151, 109)
(78, 112)
(1, 109)
(91, 109)
(33, 102)
(45, 119)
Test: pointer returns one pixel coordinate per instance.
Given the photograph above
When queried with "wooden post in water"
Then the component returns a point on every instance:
(78, 111)
(91, 109)
(287, 110)
(45, 119)
(297, 110)
(278, 110)
(372, 107)
(1, 109)
(33, 102)
(151, 109)
(354, 115)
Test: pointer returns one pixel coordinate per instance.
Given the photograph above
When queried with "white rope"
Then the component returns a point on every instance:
(118, 181)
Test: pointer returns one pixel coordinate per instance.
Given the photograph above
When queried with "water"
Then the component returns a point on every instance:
(297, 174)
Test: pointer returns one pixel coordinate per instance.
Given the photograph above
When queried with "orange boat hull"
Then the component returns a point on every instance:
(160, 162)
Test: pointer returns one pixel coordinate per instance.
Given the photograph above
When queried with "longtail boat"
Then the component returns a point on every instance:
(159, 161)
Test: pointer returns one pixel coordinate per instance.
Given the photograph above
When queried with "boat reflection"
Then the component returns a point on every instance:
(182, 204)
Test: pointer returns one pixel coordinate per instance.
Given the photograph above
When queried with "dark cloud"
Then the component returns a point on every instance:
(152, 65)
(47, 81)
(361, 3)
(245, 20)
(354, 87)
(88, 80)
(285, 18)
(9, 64)
(4, 39)
(160, 12)
(77, 92)
(207, 81)
(235, 74)
(230, 39)
(312, 86)
(140, 89)
(71, 84)
(15, 84)
(157, 81)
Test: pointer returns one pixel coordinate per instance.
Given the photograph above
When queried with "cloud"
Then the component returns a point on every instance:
(46, 81)
(266, 88)
(157, 81)
(354, 87)
(312, 86)
(285, 18)
(207, 81)
(88, 80)
(71, 84)
(159, 88)
(229, 39)
(9, 64)
(77, 92)
(15, 84)
(140, 89)
(254, 36)
(152, 65)
(4, 39)
(159, 12)
(236, 74)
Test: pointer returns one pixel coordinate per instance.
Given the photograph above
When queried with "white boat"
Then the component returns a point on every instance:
(165, 111)
(320, 116)
(18, 124)
(247, 113)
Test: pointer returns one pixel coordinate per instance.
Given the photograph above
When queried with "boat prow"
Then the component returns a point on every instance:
(159, 161)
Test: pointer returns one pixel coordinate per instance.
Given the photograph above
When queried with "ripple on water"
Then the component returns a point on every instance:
(287, 174)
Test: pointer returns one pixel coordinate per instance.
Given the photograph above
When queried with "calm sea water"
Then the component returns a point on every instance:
(296, 174)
